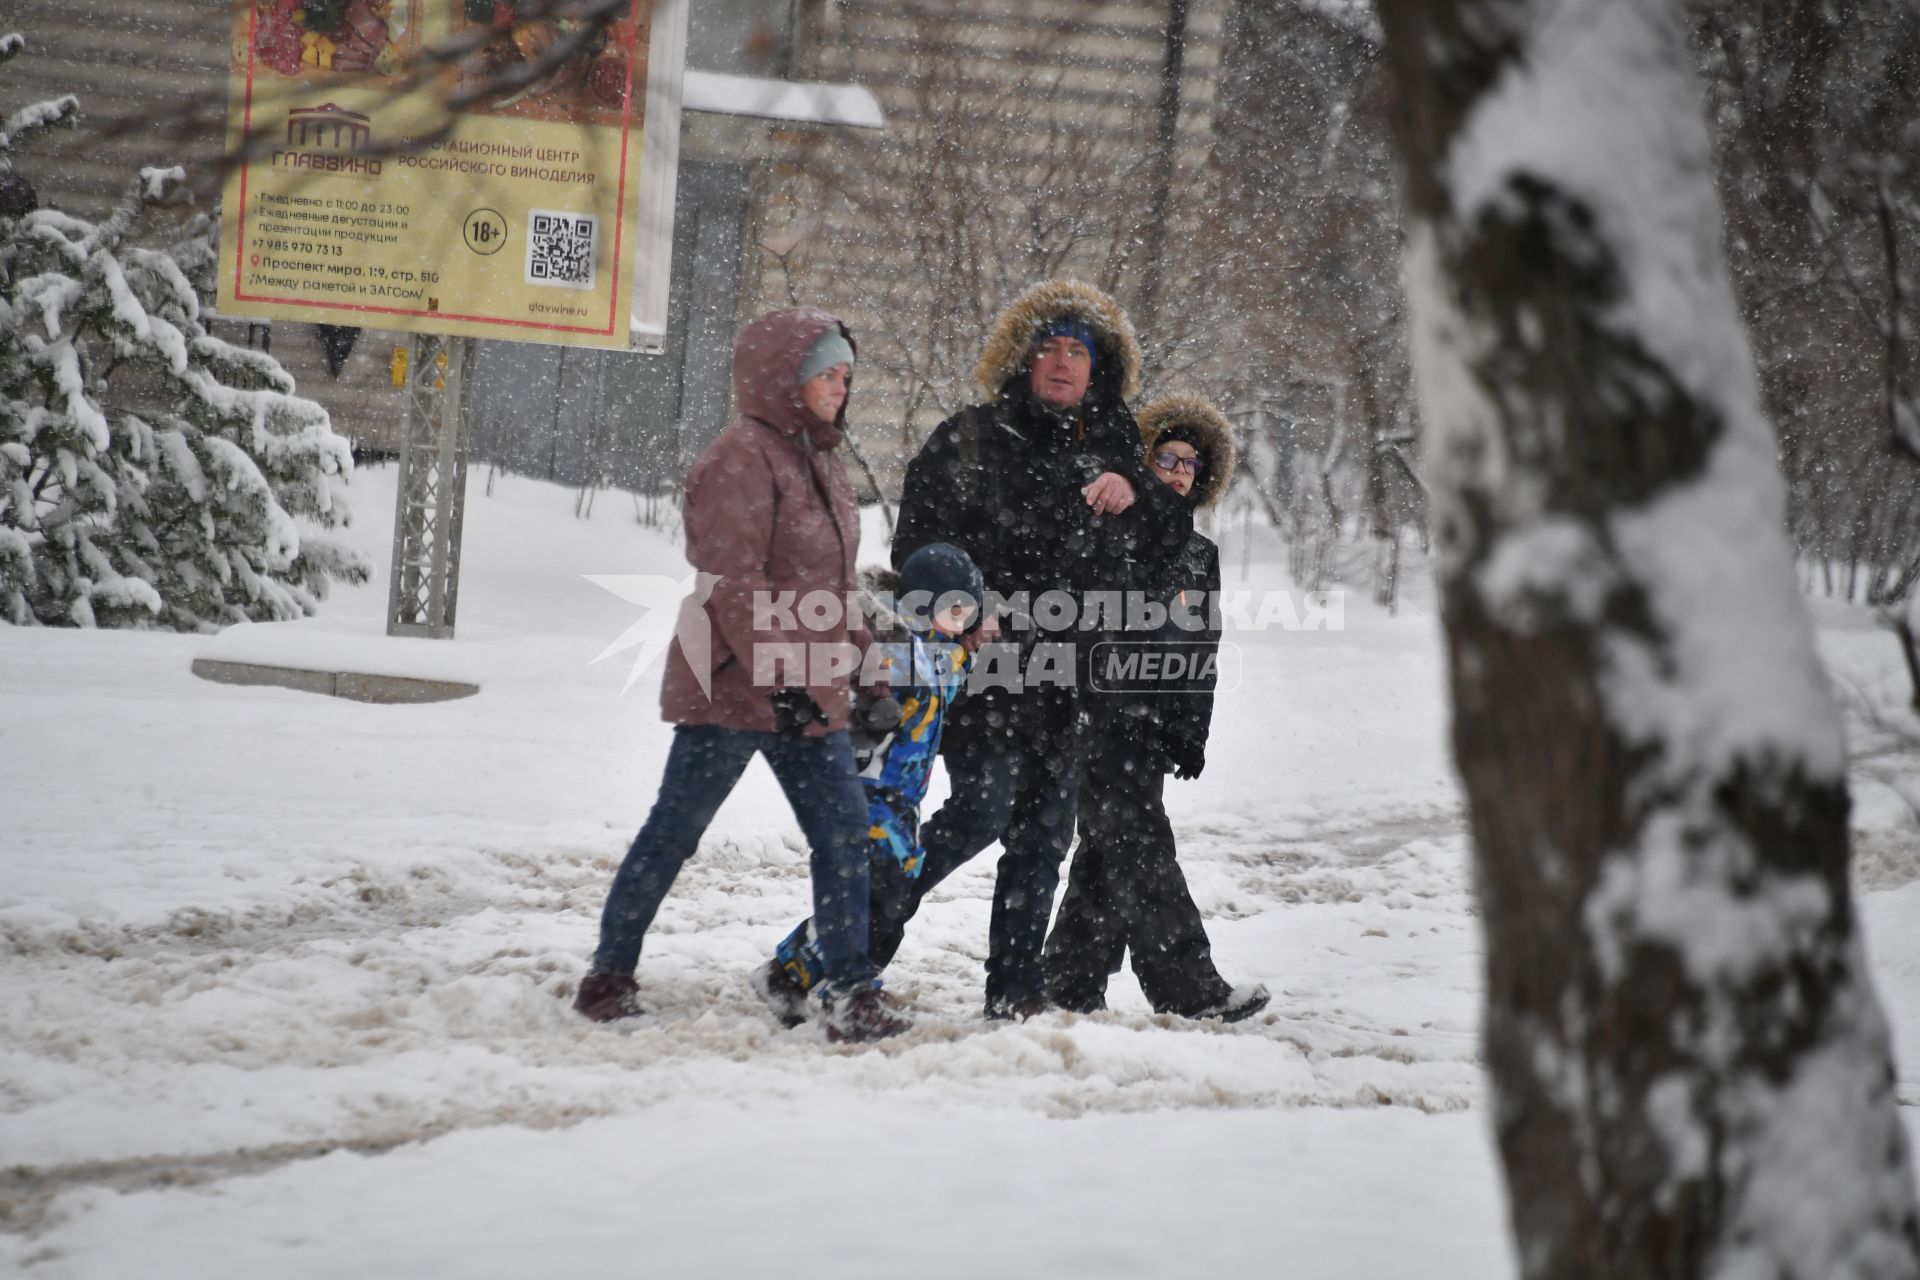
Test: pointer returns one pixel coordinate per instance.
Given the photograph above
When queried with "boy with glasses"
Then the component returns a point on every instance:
(1125, 891)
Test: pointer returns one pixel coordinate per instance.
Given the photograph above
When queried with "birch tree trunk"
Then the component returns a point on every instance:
(1691, 1073)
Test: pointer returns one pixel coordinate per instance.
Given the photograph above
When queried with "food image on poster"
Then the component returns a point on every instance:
(582, 71)
(317, 40)
(406, 203)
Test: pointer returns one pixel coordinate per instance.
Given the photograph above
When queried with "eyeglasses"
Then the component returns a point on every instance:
(1168, 460)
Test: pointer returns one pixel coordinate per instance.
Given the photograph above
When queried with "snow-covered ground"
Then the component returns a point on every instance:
(284, 979)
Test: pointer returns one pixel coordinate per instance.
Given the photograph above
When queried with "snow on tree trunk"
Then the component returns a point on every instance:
(1691, 1073)
(150, 474)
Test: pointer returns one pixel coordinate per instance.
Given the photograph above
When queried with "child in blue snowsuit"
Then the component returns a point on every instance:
(927, 657)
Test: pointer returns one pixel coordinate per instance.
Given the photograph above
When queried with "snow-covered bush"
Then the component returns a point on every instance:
(150, 474)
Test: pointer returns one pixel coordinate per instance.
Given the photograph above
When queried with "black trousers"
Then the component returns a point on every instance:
(1126, 894)
(1014, 778)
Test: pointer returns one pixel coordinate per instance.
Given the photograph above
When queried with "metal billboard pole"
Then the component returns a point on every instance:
(431, 496)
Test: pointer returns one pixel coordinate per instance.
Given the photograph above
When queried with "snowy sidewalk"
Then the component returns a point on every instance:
(283, 983)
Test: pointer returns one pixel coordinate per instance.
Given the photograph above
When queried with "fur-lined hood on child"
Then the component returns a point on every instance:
(1212, 439)
(879, 597)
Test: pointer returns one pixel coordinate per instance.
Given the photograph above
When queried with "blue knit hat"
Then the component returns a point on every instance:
(1079, 330)
(830, 349)
(942, 571)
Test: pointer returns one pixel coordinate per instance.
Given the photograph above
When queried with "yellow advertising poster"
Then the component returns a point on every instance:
(462, 167)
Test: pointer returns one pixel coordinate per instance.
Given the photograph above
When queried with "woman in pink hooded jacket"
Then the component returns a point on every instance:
(771, 522)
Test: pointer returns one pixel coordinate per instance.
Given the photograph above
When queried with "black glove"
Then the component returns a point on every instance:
(793, 711)
(1187, 756)
(877, 715)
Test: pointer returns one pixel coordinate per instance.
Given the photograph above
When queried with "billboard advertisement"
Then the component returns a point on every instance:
(472, 168)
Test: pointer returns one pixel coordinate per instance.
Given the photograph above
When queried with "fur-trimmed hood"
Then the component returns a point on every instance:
(1214, 440)
(1024, 318)
(879, 590)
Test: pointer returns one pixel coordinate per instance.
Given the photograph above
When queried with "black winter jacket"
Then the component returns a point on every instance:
(1189, 585)
(1002, 481)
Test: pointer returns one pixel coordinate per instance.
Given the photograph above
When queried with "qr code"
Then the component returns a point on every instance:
(561, 248)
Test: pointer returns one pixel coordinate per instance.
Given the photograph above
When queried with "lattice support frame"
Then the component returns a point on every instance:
(424, 589)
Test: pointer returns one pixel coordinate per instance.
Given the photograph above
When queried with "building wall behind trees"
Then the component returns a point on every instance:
(1024, 140)
(1243, 208)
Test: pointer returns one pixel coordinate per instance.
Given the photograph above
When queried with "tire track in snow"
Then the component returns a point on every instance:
(27, 1194)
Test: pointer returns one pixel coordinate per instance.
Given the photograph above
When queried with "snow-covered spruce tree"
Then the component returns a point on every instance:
(1691, 1072)
(150, 474)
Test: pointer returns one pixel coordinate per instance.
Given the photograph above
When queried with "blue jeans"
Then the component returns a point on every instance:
(818, 777)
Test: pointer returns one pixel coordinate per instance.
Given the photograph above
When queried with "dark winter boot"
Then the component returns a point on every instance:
(867, 1014)
(1009, 1009)
(1237, 1004)
(607, 997)
(783, 993)
(1078, 1004)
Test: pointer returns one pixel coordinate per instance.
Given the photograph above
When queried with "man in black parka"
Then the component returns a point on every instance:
(1030, 485)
